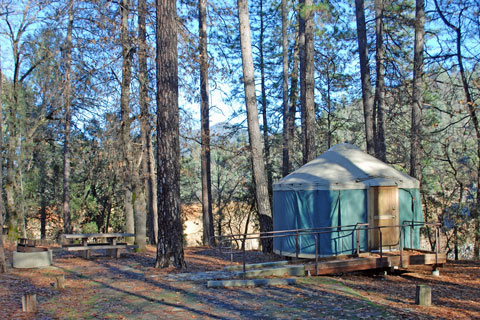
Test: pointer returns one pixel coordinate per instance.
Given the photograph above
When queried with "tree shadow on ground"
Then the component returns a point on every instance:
(304, 301)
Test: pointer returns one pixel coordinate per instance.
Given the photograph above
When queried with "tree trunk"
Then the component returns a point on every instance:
(43, 200)
(20, 203)
(417, 92)
(286, 164)
(379, 102)
(365, 76)
(128, 207)
(10, 186)
(301, 46)
(3, 265)
(261, 189)
(14, 197)
(219, 205)
(266, 143)
(140, 212)
(109, 212)
(307, 81)
(329, 108)
(10, 181)
(293, 96)
(67, 219)
(147, 165)
(125, 117)
(152, 190)
(170, 238)
(208, 231)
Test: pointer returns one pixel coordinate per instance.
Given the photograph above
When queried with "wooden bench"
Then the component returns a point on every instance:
(90, 241)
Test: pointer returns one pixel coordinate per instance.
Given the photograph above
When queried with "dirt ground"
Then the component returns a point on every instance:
(130, 288)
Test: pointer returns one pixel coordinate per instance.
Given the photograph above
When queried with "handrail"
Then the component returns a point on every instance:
(288, 231)
(278, 234)
(326, 230)
(437, 225)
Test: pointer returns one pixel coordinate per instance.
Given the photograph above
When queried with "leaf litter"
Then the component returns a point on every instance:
(130, 288)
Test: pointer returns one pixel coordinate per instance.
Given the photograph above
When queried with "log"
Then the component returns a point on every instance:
(29, 302)
(59, 282)
(423, 296)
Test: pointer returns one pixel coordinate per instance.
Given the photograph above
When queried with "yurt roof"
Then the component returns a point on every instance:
(344, 166)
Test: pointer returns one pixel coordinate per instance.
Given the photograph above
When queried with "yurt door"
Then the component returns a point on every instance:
(383, 211)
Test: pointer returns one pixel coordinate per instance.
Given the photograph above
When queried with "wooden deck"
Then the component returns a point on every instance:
(374, 261)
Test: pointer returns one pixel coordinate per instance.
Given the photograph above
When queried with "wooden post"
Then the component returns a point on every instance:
(316, 253)
(358, 241)
(423, 296)
(296, 246)
(59, 282)
(114, 253)
(29, 302)
(86, 253)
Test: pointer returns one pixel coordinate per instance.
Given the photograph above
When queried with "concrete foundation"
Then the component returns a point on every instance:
(289, 270)
(249, 283)
(25, 260)
(257, 266)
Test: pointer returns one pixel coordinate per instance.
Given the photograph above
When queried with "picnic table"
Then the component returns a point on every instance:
(96, 241)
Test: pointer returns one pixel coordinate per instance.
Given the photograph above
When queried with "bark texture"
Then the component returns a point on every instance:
(170, 238)
(140, 212)
(67, 218)
(293, 96)
(208, 231)
(10, 185)
(307, 72)
(286, 164)
(3, 265)
(125, 116)
(261, 189)
(417, 92)
(152, 190)
(148, 169)
(379, 101)
(43, 200)
(301, 57)
(266, 141)
(367, 96)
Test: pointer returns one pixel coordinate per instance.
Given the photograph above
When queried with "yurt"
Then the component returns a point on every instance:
(340, 189)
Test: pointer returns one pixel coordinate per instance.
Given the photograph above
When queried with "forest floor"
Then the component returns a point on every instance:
(130, 288)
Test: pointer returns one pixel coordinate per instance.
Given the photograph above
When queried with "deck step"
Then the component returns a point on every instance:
(257, 265)
(249, 283)
(282, 271)
(349, 265)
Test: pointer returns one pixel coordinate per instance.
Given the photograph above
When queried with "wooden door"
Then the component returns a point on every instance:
(383, 211)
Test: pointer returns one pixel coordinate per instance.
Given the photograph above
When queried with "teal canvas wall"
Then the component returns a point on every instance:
(317, 209)
(410, 209)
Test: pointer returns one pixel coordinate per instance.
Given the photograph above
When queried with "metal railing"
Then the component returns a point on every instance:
(224, 242)
(412, 224)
